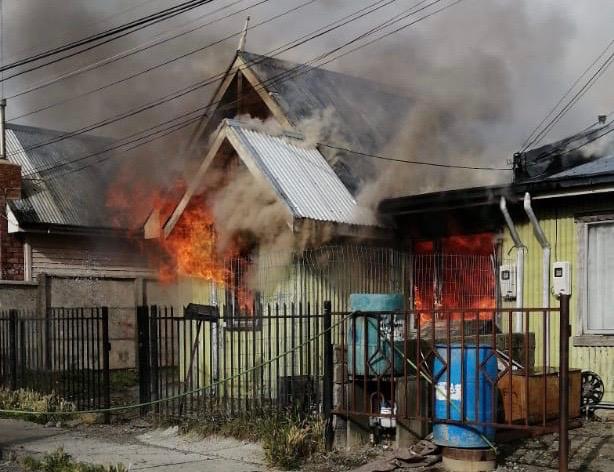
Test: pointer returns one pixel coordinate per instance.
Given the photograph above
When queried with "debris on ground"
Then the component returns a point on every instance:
(422, 454)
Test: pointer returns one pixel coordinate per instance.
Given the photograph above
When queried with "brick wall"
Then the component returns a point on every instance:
(11, 245)
(11, 253)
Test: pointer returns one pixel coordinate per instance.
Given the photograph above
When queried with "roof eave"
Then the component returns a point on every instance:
(490, 195)
(50, 228)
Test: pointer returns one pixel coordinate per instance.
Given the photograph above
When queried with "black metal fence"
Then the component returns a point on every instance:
(223, 362)
(66, 352)
(480, 368)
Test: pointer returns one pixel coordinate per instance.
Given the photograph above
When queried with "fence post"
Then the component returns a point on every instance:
(564, 384)
(142, 326)
(13, 348)
(327, 388)
(106, 376)
(154, 365)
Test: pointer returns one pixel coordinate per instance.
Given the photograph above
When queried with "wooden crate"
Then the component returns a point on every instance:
(532, 406)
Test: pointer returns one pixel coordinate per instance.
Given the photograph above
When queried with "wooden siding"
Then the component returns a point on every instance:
(84, 257)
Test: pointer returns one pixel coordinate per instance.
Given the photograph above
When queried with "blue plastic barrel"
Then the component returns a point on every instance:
(370, 335)
(465, 386)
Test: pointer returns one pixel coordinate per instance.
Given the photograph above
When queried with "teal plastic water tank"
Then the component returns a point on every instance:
(370, 335)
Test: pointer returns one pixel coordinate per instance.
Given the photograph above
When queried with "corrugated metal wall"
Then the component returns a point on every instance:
(562, 232)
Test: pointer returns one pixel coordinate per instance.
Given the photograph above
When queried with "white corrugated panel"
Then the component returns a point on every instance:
(301, 176)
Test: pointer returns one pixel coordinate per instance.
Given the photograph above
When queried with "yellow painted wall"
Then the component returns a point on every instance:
(562, 232)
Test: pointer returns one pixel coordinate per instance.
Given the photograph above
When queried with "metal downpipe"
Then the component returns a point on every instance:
(546, 251)
(520, 250)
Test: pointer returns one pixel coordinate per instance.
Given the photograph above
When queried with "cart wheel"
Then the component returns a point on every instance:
(592, 389)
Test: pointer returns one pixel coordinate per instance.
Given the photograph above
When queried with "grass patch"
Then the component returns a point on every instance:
(29, 400)
(60, 461)
(288, 438)
(123, 379)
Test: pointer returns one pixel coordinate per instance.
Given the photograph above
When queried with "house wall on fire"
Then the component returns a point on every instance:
(290, 286)
(565, 226)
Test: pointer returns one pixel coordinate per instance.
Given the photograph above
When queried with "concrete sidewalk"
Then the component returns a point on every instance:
(162, 450)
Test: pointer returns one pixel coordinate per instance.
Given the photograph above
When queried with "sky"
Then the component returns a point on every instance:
(484, 73)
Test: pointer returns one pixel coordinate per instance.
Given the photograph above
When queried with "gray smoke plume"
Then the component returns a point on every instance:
(480, 76)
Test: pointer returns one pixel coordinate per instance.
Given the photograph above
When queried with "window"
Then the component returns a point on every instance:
(599, 278)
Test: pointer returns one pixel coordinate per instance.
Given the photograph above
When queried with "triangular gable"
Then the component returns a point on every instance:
(300, 177)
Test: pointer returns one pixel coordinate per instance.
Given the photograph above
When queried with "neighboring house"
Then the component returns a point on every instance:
(571, 195)
(59, 244)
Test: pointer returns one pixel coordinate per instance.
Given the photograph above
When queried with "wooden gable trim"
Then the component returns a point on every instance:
(238, 65)
(198, 177)
(222, 88)
(194, 184)
(263, 93)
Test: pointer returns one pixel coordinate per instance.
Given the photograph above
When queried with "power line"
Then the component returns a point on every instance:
(104, 37)
(160, 39)
(536, 136)
(262, 84)
(406, 161)
(92, 23)
(167, 62)
(198, 85)
(170, 61)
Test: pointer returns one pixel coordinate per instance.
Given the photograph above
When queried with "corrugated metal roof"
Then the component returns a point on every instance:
(603, 165)
(366, 116)
(300, 175)
(59, 197)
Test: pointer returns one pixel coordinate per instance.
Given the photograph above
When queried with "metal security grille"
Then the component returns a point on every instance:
(271, 358)
(65, 352)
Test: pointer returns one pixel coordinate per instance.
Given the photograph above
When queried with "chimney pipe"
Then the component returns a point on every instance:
(2, 128)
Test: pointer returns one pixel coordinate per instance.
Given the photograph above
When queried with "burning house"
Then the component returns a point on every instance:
(266, 194)
(551, 229)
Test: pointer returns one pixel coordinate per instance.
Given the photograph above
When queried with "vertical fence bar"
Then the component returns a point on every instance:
(154, 367)
(106, 377)
(23, 359)
(142, 325)
(564, 384)
(327, 397)
(13, 348)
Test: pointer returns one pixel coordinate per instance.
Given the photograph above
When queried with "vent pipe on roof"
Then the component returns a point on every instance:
(520, 250)
(2, 128)
(545, 244)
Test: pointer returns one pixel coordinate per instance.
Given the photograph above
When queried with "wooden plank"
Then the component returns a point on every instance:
(533, 406)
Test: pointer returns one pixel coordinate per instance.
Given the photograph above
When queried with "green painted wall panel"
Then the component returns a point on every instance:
(562, 232)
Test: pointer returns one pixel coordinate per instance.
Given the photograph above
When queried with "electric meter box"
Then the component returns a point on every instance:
(507, 281)
(561, 278)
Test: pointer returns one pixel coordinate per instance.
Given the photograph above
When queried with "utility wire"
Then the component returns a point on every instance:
(406, 161)
(536, 135)
(260, 85)
(198, 85)
(167, 62)
(160, 39)
(91, 23)
(104, 37)
(162, 64)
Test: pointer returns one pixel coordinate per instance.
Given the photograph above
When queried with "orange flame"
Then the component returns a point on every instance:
(190, 250)
(467, 282)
